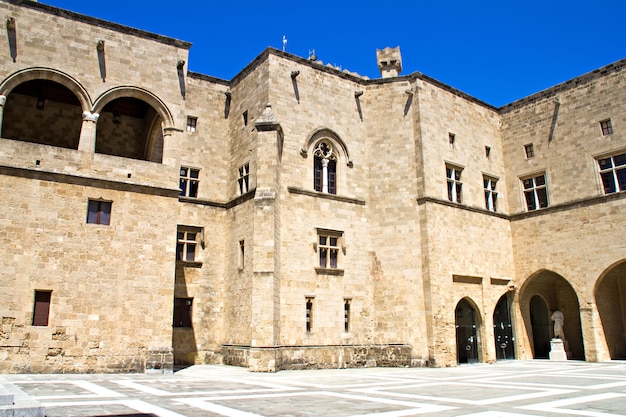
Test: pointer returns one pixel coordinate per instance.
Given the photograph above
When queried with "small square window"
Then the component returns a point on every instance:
(451, 139)
(99, 212)
(529, 149)
(41, 308)
(186, 243)
(189, 182)
(606, 126)
(244, 178)
(191, 124)
(182, 312)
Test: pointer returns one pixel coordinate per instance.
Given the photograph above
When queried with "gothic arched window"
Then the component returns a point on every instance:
(325, 168)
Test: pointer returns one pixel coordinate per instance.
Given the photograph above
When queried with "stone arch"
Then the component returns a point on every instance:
(49, 74)
(558, 294)
(138, 93)
(131, 124)
(468, 325)
(325, 133)
(610, 295)
(43, 106)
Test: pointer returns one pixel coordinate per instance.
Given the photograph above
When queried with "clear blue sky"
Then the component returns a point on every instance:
(496, 51)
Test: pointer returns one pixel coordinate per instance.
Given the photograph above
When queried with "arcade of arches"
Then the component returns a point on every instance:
(544, 293)
(49, 113)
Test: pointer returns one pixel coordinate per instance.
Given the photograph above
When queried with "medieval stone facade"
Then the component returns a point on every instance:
(295, 216)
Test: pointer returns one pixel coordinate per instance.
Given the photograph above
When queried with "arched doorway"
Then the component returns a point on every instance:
(503, 329)
(43, 111)
(542, 295)
(467, 332)
(611, 301)
(540, 323)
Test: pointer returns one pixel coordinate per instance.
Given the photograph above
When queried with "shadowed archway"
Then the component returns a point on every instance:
(610, 296)
(467, 324)
(556, 293)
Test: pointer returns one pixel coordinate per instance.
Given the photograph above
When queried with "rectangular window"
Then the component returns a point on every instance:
(245, 118)
(242, 252)
(41, 308)
(491, 195)
(529, 149)
(186, 244)
(613, 173)
(99, 212)
(535, 192)
(346, 315)
(606, 126)
(451, 139)
(328, 248)
(244, 178)
(453, 175)
(182, 312)
(309, 314)
(189, 180)
(191, 124)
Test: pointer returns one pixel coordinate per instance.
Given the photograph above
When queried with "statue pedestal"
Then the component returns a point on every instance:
(558, 350)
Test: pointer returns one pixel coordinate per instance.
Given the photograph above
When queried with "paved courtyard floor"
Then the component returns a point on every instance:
(504, 389)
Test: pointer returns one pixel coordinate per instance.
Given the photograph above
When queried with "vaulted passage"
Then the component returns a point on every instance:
(611, 302)
(43, 111)
(545, 293)
(130, 128)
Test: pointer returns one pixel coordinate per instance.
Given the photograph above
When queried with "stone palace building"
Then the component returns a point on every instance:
(296, 216)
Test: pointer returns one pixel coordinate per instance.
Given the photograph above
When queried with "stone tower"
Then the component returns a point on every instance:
(389, 61)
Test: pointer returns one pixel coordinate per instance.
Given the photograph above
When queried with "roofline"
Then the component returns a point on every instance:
(574, 82)
(99, 22)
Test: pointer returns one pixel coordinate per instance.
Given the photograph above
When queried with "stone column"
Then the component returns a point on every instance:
(87, 141)
(3, 101)
(265, 314)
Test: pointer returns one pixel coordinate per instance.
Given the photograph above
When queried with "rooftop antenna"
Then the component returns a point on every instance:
(284, 43)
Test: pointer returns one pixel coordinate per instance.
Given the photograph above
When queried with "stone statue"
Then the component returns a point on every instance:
(557, 318)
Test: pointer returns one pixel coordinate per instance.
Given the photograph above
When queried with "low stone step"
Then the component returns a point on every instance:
(6, 396)
(16, 403)
(25, 409)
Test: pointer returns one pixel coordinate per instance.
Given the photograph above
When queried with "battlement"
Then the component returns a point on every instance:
(389, 61)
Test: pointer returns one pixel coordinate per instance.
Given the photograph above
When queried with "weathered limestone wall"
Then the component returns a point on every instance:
(321, 99)
(466, 249)
(579, 236)
(111, 291)
(395, 258)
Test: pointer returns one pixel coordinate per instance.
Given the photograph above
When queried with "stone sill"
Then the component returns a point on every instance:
(329, 271)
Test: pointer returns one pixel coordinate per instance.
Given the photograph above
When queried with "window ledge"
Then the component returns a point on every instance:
(329, 271)
(189, 264)
(295, 190)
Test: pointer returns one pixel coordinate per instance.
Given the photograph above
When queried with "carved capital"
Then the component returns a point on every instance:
(90, 117)
(3, 100)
